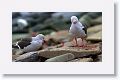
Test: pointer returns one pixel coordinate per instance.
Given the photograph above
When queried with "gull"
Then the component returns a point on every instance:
(30, 44)
(77, 30)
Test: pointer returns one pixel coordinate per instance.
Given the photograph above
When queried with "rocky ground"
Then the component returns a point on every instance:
(54, 51)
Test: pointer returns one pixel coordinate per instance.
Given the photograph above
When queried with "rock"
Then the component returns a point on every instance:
(33, 19)
(28, 57)
(97, 21)
(38, 27)
(94, 15)
(14, 57)
(14, 51)
(62, 58)
(17, 52)
(46, 31)
(88, 19)
(91, 49)
(94, 33)
(52, 42)
(99, 58)
(16, 37)
(94, 29)
(56, 24)
(95, 37)
(59, 36)
(66, 15)
(82, 60)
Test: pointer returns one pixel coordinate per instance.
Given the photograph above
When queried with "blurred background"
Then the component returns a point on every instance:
(25, 23)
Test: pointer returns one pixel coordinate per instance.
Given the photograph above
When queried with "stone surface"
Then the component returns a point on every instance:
(77, 51)
(14, 57)
(17, 52)
(62, 58)
(95, 37)
(95, 33)
(16, 37)
(100, 58)
(28, 57)
(60, 35)
(82, 60)
(89, 19)
(94, 29)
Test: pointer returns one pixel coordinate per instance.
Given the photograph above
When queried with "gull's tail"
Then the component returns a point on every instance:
(14, 46)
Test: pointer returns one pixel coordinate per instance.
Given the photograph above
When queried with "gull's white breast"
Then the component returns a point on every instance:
(77, 31)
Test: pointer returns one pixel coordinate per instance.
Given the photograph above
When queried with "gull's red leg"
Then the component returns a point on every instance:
(76, 42)
(62, 44)
(83, 43)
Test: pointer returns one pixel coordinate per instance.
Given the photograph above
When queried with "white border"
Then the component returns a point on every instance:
(104, 67)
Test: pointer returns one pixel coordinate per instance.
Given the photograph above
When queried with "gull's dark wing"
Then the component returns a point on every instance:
(85, 28)
(23, 44)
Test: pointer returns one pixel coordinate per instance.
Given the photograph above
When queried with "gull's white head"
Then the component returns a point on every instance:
(74, 19)
(40, 36)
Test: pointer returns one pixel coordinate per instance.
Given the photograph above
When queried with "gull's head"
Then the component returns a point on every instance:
(74, 19)
(40, 36)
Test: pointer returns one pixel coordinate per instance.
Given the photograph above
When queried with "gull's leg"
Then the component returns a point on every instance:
(83, 43)
(62, 44)
(76, 42)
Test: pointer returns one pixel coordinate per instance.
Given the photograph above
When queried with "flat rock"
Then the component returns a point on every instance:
(95, 37)
(17, 51)
(100, 58)
(27, 57)
(94, 29)
(97, 20)
(82, 60)
(91, 49)
(14, 57)
(60, 35)
(62, 58)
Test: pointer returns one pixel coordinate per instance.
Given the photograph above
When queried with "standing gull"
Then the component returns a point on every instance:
(30, 44)
(77, 30)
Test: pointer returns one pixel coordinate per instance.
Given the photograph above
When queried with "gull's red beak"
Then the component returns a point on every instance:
(44, 41)
(74, 21)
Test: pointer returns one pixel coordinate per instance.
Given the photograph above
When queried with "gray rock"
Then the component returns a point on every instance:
(82, 60)
(88, 19)
(62, 58)
(28, 57)
(66, 15)
(92, 49)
